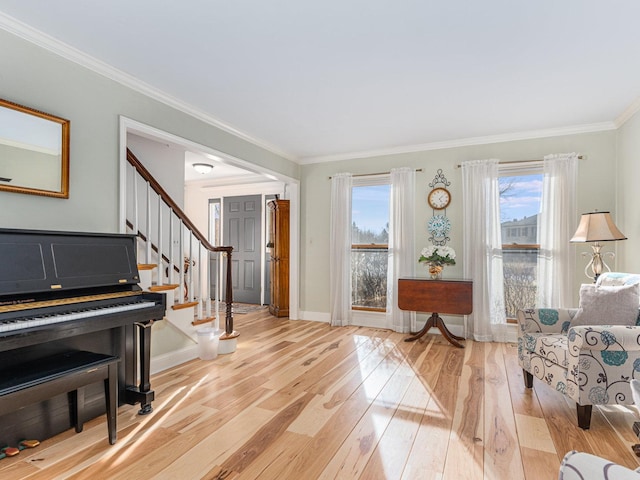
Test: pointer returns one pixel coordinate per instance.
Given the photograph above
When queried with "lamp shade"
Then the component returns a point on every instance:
(202, 167)
(597, 227)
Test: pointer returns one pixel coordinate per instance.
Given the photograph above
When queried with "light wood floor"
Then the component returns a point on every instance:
(302, 400)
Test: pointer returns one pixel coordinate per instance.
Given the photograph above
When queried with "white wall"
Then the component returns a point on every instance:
(628, 193)
(164, 162)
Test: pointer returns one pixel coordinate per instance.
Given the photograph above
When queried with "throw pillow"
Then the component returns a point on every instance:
(635, 391)
(602, 305)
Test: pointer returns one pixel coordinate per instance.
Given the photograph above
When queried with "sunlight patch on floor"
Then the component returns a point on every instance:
(141, 439)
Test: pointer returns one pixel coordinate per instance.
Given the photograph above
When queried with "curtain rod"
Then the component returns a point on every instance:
(580, 157)
(374, 174)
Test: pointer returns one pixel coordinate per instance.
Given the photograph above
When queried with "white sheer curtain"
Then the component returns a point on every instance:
(402, 256)
(557, 223)
(340, 250)
(482, 249)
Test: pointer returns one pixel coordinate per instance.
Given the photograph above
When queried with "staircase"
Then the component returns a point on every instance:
(176, 259)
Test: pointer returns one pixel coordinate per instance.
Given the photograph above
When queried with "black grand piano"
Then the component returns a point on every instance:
(61, 292)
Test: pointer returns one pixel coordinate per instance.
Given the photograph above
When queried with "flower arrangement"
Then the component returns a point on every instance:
(438, 256)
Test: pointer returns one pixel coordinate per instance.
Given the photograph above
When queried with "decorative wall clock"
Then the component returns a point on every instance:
(439, 198)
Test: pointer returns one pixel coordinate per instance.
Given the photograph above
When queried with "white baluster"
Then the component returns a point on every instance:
(191, 266)
(207, 283)
(171, 248)
(148, 249)
(135, 201)
(181, 262)
(200, 269)
(217, 294)
(160, 272)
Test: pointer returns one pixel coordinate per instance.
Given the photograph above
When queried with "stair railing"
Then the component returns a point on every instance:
(183, 250)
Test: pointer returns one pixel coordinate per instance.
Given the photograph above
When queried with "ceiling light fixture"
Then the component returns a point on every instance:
(202, 167)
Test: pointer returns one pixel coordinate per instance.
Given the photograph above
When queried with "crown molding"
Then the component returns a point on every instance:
(464, 142)
(251, 179)
(52, 44)
(628, 112)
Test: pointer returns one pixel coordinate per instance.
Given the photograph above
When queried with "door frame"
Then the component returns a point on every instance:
(290, 190)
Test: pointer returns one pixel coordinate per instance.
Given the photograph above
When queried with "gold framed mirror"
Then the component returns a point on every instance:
(34, 151)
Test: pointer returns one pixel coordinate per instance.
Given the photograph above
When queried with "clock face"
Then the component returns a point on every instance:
(439, 198)
(439, 226)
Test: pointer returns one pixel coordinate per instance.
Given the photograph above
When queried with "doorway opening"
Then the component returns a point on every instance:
(193, 195)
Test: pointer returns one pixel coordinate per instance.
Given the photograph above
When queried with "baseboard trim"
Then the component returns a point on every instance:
(172, 359)
(314, 316)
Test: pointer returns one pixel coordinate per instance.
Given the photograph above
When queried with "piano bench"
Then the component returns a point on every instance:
(68, 372)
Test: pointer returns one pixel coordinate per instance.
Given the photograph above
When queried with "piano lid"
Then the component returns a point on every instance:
(40, 261)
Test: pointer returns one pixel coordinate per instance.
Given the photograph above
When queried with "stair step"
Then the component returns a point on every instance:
(180, 306)
(162, 288)
(147, 266)
(229, 336)
(202, 321)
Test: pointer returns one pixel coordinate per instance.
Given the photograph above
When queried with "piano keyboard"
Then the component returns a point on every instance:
(22, 323)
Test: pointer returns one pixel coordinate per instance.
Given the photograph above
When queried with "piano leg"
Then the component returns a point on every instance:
(142, 393)
(145, 366)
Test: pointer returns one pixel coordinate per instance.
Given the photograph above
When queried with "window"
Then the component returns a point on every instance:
(214, 221)
(369, 248)
(519, 212)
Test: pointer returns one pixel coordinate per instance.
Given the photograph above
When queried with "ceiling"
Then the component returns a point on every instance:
(333, 78)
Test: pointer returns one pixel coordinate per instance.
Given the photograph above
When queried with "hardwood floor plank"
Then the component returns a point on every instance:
(391, 453)
(502, 453)
(429, 451)
(276, 457)
(524, 400)
(466, 441)
(216, 447)
(303, 400)
(108, 466)
(313, 355)
(349, 461)
(265, 435)
(539, 465)
(533, 433)
(312, 461)
(16, 467)
(561, 420)
(323, 407)
(621, 419)
(607, 443)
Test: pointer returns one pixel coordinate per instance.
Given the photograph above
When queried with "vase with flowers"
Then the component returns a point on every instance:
(436, 258)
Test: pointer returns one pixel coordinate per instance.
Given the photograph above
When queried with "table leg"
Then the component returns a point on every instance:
(437, 322)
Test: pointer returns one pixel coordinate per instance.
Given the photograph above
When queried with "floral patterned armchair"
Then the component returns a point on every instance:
(584, 466)
(591, 364)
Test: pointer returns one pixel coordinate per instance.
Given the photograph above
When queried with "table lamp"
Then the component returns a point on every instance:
(597, 227)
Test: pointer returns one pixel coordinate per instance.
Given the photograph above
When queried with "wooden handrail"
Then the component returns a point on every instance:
(144, 173)
(166, 198)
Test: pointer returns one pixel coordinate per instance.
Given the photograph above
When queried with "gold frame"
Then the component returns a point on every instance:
(64, 154)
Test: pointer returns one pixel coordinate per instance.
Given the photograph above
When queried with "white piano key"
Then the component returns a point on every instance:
(70, 316)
